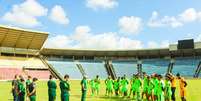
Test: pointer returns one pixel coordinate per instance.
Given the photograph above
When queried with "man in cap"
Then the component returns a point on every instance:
(15, 87)
(32, 90)
(65, 88)
(52, 86)
(84, 88)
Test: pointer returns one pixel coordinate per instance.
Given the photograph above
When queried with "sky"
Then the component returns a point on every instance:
(106, 24)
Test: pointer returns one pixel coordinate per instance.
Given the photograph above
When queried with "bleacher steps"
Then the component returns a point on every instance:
(51, 69)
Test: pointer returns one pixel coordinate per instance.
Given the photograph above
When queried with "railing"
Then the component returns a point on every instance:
(197, 72)
(110, 69)
(81, 69)
(51, 69)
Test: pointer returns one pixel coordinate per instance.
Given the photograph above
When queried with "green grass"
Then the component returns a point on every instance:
(193, 92)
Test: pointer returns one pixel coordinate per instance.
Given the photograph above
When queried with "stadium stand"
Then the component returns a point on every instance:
(94, 68)
(41, 74)
(125, 68)
(19, 51)
(66, 67)
(153, 60)
(8, 73)
(186, 65)
(20, 62)
(22, 52)
(23, 66)
(158, 66)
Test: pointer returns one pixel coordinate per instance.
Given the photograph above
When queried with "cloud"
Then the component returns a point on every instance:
(59, 41)
(198, 38)
(199, 16)
(152, 44)
(25, 14)
(130, 24)
(21, 19)
(82, 29)
(127, 43)
(101, 4)
(170, 21)
(84, 38)
(187, 16)
(81, 33)
(162, 44)
(107, 40)
(58, 15)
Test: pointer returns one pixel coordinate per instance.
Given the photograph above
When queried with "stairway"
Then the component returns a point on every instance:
(110, 69)
(81, 69)
(54, 72)
(198, 69)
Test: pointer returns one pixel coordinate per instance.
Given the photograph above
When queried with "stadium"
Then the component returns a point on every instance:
(22, 52)
(100, 50)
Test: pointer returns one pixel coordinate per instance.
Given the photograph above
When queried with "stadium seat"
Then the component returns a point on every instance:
(9, 73)
(41, 74)
(127, 68)
(158, 66)
(15, 65)
(94, 68)
(66, 67)
(186, 66)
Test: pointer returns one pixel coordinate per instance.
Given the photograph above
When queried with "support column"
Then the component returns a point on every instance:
(14, 51)
(73, 58)
(139, 67)
(171, 65)
(27, 53)
(0, 51)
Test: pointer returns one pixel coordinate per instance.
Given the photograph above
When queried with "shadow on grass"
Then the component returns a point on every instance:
(114, 98)
(76, 96)
(10, 99)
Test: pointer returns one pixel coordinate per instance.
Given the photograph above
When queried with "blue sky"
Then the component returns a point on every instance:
(106, 24)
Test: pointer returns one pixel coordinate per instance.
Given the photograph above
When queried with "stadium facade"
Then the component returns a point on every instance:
(22, 52)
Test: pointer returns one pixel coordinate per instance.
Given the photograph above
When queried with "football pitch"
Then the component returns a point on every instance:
(193, 92)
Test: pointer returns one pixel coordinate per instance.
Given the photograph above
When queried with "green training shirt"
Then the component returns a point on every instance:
(28, 82)
(137, 84)
(92, 83)
(52, 86)
(65, 87)
(21, 88)
(84, 82)
(97, 83)
(116, 84)
(145, 82)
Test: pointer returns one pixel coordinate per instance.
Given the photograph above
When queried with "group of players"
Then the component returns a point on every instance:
(148, 88)
(26, 90)
(20, 88)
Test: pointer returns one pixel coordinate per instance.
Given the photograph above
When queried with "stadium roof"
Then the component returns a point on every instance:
(118, 53)
(20, 38)
(139, 53)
